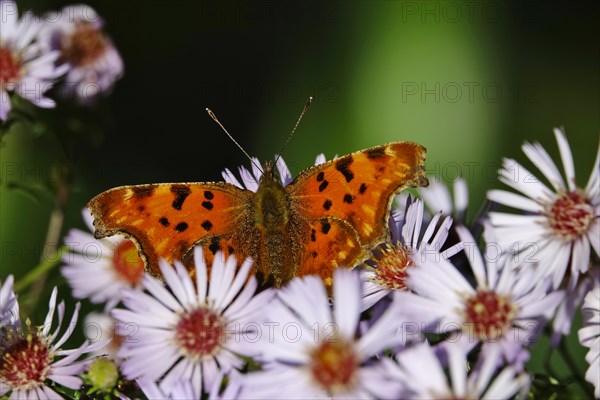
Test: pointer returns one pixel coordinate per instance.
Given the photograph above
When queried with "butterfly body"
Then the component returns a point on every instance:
(331, 215)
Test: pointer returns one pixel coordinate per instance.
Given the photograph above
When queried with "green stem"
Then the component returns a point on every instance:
(55, 224)
(41, 269)
(566, 356)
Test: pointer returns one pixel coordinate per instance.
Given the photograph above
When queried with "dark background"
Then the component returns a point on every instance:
(470, 80)
(256, 63)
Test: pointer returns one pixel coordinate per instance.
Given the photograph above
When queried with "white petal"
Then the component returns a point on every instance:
(201, 274)
(346, 294)
(491, 355)
(593, 234)
(458, 370)
(592, 188)
(514, 200)
(519, 178)
(284, 172)
(461, 195)
(566, 156)
(230, 178)
(248, 179)
(238, 282)
(542, 160)
(473, 254)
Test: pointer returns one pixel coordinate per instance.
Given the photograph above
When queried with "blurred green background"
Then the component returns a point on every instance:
(469, 80)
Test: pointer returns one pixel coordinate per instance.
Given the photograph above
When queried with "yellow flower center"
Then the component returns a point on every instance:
(392, 266)
(25, 362)
(571, 215)
(489, 315)
(10, 66)
(334, 365)
(200, 333)
(84, 46)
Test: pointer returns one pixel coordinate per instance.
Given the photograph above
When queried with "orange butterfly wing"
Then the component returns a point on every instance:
(353, 194)
(167, 220)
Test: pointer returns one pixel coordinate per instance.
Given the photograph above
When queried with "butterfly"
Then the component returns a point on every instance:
(330, 215)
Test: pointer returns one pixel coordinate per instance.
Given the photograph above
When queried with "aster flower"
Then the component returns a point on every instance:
(249, 180)
(191, 332)
(387, 270)
(9, 307)
(504, 309)
(113, 262)
(31, 359)
(27, 68)
(76, 33)
(562, 222)
(423, 377)
(589, 336)
(312, 351)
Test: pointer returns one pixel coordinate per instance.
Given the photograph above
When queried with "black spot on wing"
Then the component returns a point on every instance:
(208, 195)
(343, 165)
(327, 205)
(363, 188)
(323, 185)
(313, 254)
(181, 192)
(377, 152)
(320, 176)
(313, 236)
(207, 225)
(208, 205)
(325, 227)
(142, 191)
(180, 227)
(348, 198)
(214, 246)
(164, 221)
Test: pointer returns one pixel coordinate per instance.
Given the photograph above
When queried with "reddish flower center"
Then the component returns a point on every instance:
(10, 66)
(200, 333)
(127, 263)
(392, 267)
(334, 365)
(84, 45)
(488, 314)
(25, 363)
(571, 215)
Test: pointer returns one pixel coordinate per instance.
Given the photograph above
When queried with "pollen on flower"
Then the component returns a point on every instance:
(488, 315)
(25, 362)
(392, 267)
(200, 333)
(10, 67)
(127, 263)
(86, 44)
(571, 215)
(334, 365)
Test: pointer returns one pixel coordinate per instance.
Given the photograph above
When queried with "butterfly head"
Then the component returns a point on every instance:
(270, 173)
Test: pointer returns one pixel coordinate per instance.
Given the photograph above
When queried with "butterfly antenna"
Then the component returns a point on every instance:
(214, 117)
(308, 102)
